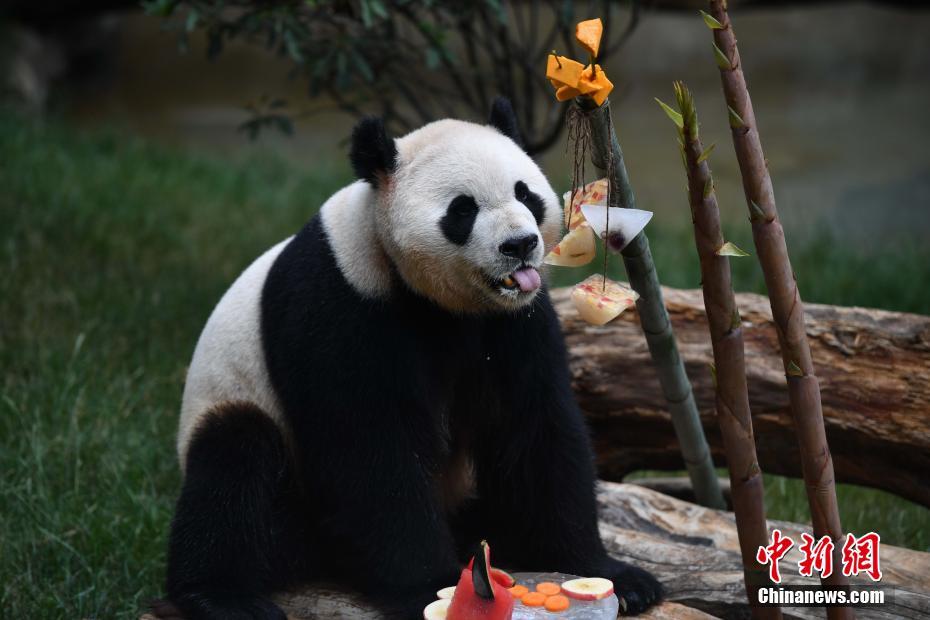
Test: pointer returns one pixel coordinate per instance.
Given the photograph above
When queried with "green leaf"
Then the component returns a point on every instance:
(722, 61)
(736, 121)
(706, 153)
(730, 249)
(794, 370)
(672, 113)
(755, 211)
(708, 188)
(711, 21)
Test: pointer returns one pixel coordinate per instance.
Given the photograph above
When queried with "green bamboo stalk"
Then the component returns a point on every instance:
(787, 308)
(726, 337)
(653, 315)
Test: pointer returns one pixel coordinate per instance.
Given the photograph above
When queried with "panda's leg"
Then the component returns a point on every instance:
(238, 532)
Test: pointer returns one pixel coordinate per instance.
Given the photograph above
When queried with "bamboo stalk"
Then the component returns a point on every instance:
(653, 315)
(787, 308)
(726, 337)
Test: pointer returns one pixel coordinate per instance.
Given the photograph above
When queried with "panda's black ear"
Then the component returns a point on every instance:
(373, 153)
(504, 120)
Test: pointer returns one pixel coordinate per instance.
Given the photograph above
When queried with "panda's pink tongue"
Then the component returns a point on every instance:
(527, 278)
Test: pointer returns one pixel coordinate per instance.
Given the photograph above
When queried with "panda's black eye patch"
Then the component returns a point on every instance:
(459, 219)
(532, 201)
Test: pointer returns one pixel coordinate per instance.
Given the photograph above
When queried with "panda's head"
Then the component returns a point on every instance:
(462, 212)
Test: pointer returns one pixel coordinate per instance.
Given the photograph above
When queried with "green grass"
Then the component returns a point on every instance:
(112, 253)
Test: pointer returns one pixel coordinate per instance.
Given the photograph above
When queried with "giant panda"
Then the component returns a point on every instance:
(379, 392)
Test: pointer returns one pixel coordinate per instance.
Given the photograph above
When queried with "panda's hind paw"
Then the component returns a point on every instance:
(636, 588)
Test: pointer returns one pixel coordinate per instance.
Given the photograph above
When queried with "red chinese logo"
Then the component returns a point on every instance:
(860, 555)
(817, 557)
(774, 552)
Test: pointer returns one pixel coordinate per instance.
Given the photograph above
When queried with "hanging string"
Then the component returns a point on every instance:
(610, 184)
(579, 137)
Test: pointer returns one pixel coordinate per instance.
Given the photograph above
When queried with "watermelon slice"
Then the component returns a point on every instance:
(478, 595)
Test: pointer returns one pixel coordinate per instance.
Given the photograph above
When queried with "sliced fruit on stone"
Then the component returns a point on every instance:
(446, 592)
(437, 610)
(548, 588)
(598, 304)
(557, 602)
(588, 588)
(615, 225)
(533, 599)
(576, 248)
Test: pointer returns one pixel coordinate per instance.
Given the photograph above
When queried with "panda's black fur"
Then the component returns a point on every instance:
(380, 396)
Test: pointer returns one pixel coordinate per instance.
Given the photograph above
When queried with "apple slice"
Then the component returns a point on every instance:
(598, 304)
(588, 588)
(575, 249)
(437, 610)
(446, 592)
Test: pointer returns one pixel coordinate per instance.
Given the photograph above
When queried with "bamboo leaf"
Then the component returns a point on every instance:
(711, 21)
(794, 370)
(736, 320)
(756, 212)
(707, 153)
(708, 188)
(736, 121)
(672, 113)
(713, 373)
(722, 61)
(730, 249)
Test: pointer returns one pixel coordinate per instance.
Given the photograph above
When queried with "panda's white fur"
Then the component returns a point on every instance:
(435, 164)
(229, 361)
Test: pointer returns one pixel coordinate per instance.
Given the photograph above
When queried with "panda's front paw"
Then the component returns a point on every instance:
(637, 589)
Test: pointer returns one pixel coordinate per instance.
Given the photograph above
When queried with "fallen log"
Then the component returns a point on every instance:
(694, 551)
(874, 370)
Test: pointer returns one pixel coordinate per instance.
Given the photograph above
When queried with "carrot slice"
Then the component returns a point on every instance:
(534, 599)
(548, 588)
(518, 591)
(557, 603)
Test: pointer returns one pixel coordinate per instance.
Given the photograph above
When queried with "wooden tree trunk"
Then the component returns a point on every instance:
(694, 551)
(874, 370)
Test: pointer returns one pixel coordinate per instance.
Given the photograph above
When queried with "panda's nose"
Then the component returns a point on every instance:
(519, 247)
